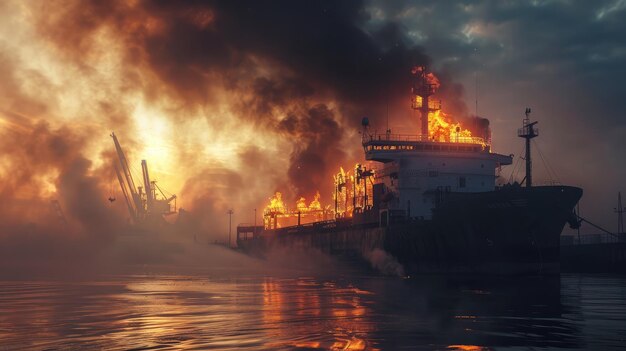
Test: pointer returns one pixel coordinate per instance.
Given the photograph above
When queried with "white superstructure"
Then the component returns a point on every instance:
(414, 170)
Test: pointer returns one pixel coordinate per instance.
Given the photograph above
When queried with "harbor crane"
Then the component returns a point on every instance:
(144, 203)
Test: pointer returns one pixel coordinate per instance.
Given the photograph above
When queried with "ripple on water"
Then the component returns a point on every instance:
(307, 313)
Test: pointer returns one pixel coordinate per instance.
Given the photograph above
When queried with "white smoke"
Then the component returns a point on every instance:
(384, 262)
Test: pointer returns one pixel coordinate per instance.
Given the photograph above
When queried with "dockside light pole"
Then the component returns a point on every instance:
(230, 221)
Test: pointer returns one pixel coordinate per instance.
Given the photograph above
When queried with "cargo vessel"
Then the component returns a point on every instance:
(429, 202)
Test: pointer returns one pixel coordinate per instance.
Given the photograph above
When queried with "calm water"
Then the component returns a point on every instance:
(342, 312)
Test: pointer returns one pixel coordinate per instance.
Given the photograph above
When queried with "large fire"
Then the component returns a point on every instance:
(441, 127)
(353, 193)
(276, 204)
(313, 206)
(277, 214)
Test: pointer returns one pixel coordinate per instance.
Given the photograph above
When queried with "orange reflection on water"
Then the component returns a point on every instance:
(293, 308)
(307, 300)
(307, 344)
(467, 348)
(352, 344)
(272, 302)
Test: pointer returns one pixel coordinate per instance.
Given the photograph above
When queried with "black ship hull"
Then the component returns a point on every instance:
(508, 231)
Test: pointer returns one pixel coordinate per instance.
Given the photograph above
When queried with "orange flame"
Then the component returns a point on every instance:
(277, 214)
(350, 191)
(351, 194)
(441, 127)
(276, 204)
(315, 205)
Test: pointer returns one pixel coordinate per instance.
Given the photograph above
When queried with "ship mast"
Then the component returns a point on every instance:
(620, 212)
(528, 131)
(423, 88)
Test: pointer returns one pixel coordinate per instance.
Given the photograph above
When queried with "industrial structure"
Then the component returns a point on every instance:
(278, 215)
(424, 85)
(146, 204)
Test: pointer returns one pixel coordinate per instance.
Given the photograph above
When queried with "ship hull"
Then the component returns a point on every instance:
(509, 231)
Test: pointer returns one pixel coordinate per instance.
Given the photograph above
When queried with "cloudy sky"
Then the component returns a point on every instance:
(564, 59)
(230, 101)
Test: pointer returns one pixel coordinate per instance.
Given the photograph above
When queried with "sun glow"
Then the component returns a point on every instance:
(154, 133)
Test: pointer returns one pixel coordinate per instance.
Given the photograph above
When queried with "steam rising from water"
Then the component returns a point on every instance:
(384, 263)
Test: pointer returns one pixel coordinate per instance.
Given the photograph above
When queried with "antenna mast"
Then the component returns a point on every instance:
(620, 214)
(388, 131)
(528, 131)
(476, 92)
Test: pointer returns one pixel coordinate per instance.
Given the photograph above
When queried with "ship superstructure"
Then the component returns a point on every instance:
(414, 171)
(416, 168)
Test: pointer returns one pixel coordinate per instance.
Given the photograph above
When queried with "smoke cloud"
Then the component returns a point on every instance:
(228, 100)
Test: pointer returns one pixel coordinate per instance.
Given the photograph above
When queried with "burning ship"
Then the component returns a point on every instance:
(429, 202)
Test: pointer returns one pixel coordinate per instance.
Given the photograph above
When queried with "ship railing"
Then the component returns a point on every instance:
(423, 138)
(589, 239)
(551, 182)
(433, 105)
(527, 130)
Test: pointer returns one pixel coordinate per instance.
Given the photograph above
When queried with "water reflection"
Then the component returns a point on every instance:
(467, 348)
(307, 313)
(314, 314)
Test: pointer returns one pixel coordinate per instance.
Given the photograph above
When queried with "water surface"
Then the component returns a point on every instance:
(341, 312)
